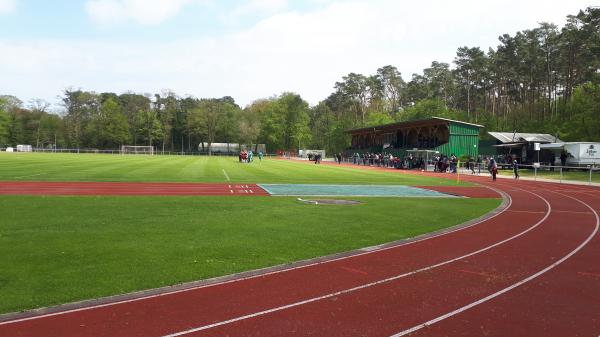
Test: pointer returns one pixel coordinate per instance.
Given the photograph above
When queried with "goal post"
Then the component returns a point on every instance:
(131, 149)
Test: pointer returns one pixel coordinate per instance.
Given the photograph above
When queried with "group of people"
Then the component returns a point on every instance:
(441, 163)
(316, 157)
(492, 166)
(388, 160)
(373, 159)
(248, 156)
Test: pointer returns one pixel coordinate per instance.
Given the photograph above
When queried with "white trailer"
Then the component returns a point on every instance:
(579, 153)
(305, 153)
(24, 148)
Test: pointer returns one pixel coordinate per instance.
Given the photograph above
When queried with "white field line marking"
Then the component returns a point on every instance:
(226, 176)
(368, 250)
(368, 285)
(509, 288)
(30, 175)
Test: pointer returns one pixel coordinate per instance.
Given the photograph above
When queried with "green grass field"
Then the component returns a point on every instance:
(93, 167)
(58, 249)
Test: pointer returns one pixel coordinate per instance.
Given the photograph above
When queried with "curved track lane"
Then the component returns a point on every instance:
(531, 270)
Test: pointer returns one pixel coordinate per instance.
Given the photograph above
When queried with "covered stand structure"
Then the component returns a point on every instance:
(521, 146)
(434, 134)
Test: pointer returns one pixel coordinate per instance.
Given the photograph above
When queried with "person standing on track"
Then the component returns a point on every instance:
(493, 168)
(516, 169)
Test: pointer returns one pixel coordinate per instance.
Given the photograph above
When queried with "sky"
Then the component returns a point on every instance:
(245, 49)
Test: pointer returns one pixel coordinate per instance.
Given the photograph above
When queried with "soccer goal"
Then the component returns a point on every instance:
(130, 149)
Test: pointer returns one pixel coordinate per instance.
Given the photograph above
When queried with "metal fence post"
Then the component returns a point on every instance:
(534, 173)
(591, 168)
(561, 169)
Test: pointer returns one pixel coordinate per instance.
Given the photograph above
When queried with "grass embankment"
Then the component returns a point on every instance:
(60, 249)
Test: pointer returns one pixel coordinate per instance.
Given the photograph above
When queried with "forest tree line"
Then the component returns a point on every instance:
(543, 79)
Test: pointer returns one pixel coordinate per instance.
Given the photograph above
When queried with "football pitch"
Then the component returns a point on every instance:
(59, 249)
(141, 168)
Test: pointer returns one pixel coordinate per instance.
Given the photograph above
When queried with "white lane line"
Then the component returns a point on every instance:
(367, 250)
(368, 285)
(30, 175)
(226, 176)
(509, 288)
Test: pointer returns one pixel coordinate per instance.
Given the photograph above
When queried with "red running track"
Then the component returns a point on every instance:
(118, 188)
(531, 270)
(174, 189)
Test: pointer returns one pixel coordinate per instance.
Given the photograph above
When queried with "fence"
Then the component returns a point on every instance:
(587, 174)
(156, 153)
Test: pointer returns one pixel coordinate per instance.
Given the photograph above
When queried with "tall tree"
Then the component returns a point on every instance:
(38, 108)
(80, 107)
(3, 124)
(584, 125)
(205, 119)
(132, 104)
(354, 89)
(148, 126)
(393, 88)
(470, 63)
(110, 125)
(296, 131)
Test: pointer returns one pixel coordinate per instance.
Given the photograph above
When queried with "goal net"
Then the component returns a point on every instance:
(130, 149)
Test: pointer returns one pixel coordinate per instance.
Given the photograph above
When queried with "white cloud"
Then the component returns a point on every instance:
(289, 51)
(149, 12)
(8, 6)
(260, 7)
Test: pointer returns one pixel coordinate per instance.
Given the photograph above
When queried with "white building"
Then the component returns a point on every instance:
(578, 153)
